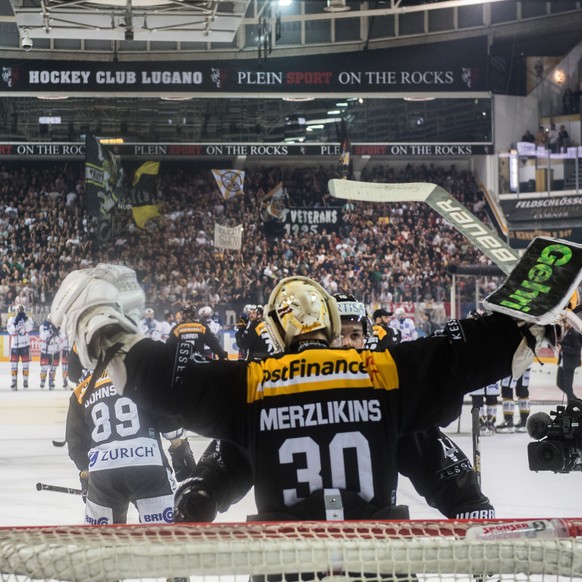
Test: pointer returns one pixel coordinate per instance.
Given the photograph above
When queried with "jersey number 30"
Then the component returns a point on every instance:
(311, 474)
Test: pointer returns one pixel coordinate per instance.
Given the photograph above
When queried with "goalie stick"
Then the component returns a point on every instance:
(58, 489)
(480, 236)
(524, 295)
(476, 436)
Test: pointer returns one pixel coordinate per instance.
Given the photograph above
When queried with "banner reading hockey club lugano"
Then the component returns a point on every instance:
(459, 66)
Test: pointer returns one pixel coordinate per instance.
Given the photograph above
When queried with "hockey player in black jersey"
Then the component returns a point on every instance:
(519, 387)
(197, 335)
(116, 447)
(253, 337)
(436, 466)
(316, 423)
(383, 336)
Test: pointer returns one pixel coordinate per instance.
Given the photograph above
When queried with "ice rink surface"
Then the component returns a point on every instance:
(31, 419)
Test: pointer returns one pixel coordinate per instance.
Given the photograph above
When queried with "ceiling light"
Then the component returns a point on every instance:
(298, 99)
(175, 98)
(26, 42)
(336, 6)
(134, 3)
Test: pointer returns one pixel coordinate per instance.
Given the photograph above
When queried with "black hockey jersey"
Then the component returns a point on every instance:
(325, 418)
(254, 340)
(105, 430)
(198, 335)
(383, 337)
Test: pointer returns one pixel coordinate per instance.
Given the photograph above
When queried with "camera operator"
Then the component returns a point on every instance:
(559, 446)
(568, 360)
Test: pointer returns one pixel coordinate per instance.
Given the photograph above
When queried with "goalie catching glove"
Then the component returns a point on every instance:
(99, 310)
(182, 457)
(193, 503)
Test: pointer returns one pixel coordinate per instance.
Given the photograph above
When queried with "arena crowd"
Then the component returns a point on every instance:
(384, 255)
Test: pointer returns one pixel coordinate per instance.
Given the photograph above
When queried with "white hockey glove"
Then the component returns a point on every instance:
(99, 308)
(525, 354)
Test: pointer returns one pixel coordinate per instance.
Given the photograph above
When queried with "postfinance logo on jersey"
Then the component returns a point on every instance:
(320, 370)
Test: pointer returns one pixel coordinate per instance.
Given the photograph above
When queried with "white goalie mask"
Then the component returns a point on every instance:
(299, 305)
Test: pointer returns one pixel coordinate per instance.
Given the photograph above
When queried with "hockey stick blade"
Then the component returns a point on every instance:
(59, 443)
(58, 489)
(477, 233)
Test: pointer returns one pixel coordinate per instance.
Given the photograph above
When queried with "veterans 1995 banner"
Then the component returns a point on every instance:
(454, 66)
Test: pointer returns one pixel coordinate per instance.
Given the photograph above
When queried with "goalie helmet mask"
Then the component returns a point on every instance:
(350, 309)
(298, 306)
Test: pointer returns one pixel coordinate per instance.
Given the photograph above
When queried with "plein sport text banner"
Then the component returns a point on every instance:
(160, 151)
(458, 66)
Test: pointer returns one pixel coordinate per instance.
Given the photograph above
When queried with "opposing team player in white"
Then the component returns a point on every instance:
(205, 314)
(150, 326)
(50, 337)
(362, 403)
(19, 327)
(405, 325)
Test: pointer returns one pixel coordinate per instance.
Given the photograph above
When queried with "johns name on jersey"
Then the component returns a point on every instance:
(100, 393)
(320, 413)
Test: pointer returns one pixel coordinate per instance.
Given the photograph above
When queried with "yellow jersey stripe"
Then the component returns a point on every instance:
(316, 370)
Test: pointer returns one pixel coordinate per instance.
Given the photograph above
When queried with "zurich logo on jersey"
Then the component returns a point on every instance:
(93, 456)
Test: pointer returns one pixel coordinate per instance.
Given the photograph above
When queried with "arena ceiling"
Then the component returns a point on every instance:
(158, 30)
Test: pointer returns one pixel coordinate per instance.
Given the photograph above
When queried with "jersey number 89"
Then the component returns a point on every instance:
(125, 420)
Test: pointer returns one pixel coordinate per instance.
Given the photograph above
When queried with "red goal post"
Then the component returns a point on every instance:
(367, 551)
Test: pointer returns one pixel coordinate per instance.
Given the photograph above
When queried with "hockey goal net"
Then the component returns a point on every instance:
(294, 551)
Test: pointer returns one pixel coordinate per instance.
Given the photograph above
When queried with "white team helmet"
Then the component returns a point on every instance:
(299, 305)
(248, 308)
(205, 312)
(149, 312)
(400, 313)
